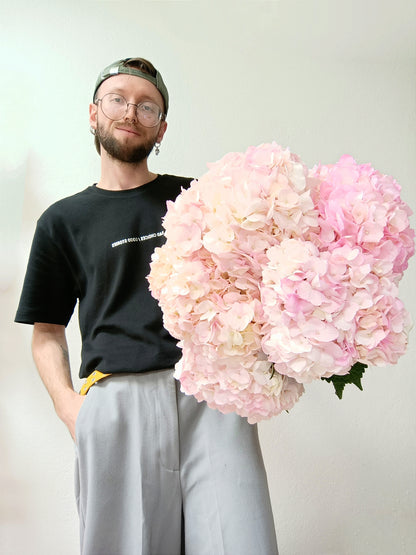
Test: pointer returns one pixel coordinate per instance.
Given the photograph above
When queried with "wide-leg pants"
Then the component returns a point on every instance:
(158, 473)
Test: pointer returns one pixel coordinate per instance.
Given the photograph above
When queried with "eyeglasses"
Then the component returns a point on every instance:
(115, 107)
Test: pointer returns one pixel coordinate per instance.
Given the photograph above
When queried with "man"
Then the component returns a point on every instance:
(156, 473)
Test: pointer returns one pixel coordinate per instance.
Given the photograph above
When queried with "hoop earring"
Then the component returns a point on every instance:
(92, 130)
(157, 149)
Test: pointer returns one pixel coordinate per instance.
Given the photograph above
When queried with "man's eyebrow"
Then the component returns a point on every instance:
(117, 89)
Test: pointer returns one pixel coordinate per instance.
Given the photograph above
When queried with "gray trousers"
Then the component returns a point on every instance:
(158, 473)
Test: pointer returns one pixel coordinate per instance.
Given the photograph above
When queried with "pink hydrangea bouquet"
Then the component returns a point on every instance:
(273, 275)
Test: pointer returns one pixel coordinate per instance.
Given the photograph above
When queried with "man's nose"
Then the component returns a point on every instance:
(131, 111)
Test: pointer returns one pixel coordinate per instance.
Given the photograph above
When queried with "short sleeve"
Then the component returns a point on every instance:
(49, 289)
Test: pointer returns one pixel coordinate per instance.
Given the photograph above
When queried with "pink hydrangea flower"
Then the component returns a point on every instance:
(273, 276)
(361, 207)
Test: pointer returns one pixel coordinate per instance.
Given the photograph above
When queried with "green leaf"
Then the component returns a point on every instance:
(354, 376)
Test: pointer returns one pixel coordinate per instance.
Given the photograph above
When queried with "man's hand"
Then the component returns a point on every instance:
(68, 407)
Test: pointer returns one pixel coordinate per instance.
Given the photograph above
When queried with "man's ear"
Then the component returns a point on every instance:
(162, 131)
(93, 116)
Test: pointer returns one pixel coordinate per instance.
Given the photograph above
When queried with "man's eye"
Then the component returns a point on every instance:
(149, 109)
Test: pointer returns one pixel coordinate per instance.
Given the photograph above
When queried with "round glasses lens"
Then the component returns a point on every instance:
(148, 114)
(114, 106)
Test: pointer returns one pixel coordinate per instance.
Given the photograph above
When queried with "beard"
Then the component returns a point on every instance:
(123, 153)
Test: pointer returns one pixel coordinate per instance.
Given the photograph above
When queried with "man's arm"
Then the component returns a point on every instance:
(50, 353)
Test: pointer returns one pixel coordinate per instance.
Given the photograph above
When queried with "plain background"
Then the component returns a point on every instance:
(322, 77)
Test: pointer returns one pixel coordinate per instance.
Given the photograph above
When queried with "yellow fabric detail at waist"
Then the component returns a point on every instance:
(93, 378)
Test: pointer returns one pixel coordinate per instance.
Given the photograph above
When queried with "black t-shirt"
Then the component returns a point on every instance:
(95, 247)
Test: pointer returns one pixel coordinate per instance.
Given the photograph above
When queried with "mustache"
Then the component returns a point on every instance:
(128, 126)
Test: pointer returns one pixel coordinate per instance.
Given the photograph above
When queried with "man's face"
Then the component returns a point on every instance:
(126, 139)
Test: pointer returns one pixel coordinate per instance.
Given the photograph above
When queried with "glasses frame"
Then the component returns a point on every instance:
(161, 114)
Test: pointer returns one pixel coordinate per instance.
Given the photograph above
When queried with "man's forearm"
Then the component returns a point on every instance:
(50, 353)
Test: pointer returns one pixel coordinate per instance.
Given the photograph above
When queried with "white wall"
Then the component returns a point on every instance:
(323, 77)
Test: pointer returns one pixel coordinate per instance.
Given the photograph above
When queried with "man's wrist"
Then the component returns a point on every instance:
(63, 402)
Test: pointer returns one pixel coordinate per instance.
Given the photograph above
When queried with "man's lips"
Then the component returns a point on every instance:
(129, 130)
